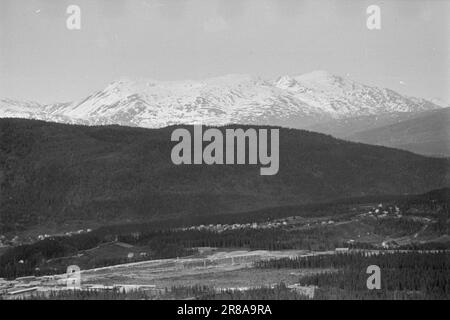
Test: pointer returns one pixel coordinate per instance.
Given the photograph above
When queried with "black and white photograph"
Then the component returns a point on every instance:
(245, 151)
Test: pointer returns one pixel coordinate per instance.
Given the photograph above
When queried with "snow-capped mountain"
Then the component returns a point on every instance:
(33, 110)
(287, 101)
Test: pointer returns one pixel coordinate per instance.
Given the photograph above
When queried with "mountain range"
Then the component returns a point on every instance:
(242, 99)
(316, 101)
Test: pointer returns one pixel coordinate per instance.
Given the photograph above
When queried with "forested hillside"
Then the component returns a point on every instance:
(59, 173)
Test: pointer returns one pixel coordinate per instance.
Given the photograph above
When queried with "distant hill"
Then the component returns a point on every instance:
(55, 173)
(344, 128)
(427, 133)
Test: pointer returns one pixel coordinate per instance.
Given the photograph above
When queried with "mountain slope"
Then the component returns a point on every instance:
(427, 133)
(295, 102)
(59, 173)
(343, 128)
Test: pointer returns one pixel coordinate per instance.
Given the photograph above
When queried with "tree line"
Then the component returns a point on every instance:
(403, 274)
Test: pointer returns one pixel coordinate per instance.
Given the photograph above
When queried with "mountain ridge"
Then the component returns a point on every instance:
(427, 133)
(289, 101)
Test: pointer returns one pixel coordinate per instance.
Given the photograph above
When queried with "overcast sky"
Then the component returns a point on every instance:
(40, 59)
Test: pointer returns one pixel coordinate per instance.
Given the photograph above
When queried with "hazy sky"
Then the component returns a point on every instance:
(40, 59)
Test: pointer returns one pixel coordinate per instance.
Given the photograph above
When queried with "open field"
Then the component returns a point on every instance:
(221, 270)
(218, 269)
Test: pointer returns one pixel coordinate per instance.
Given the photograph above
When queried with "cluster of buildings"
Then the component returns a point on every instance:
(308, 291)
(66, 234)
(13, 241)
(237, 226)
(381, 211)
(22, 287)
(3, 241)
(26, 287)
(17, 241)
